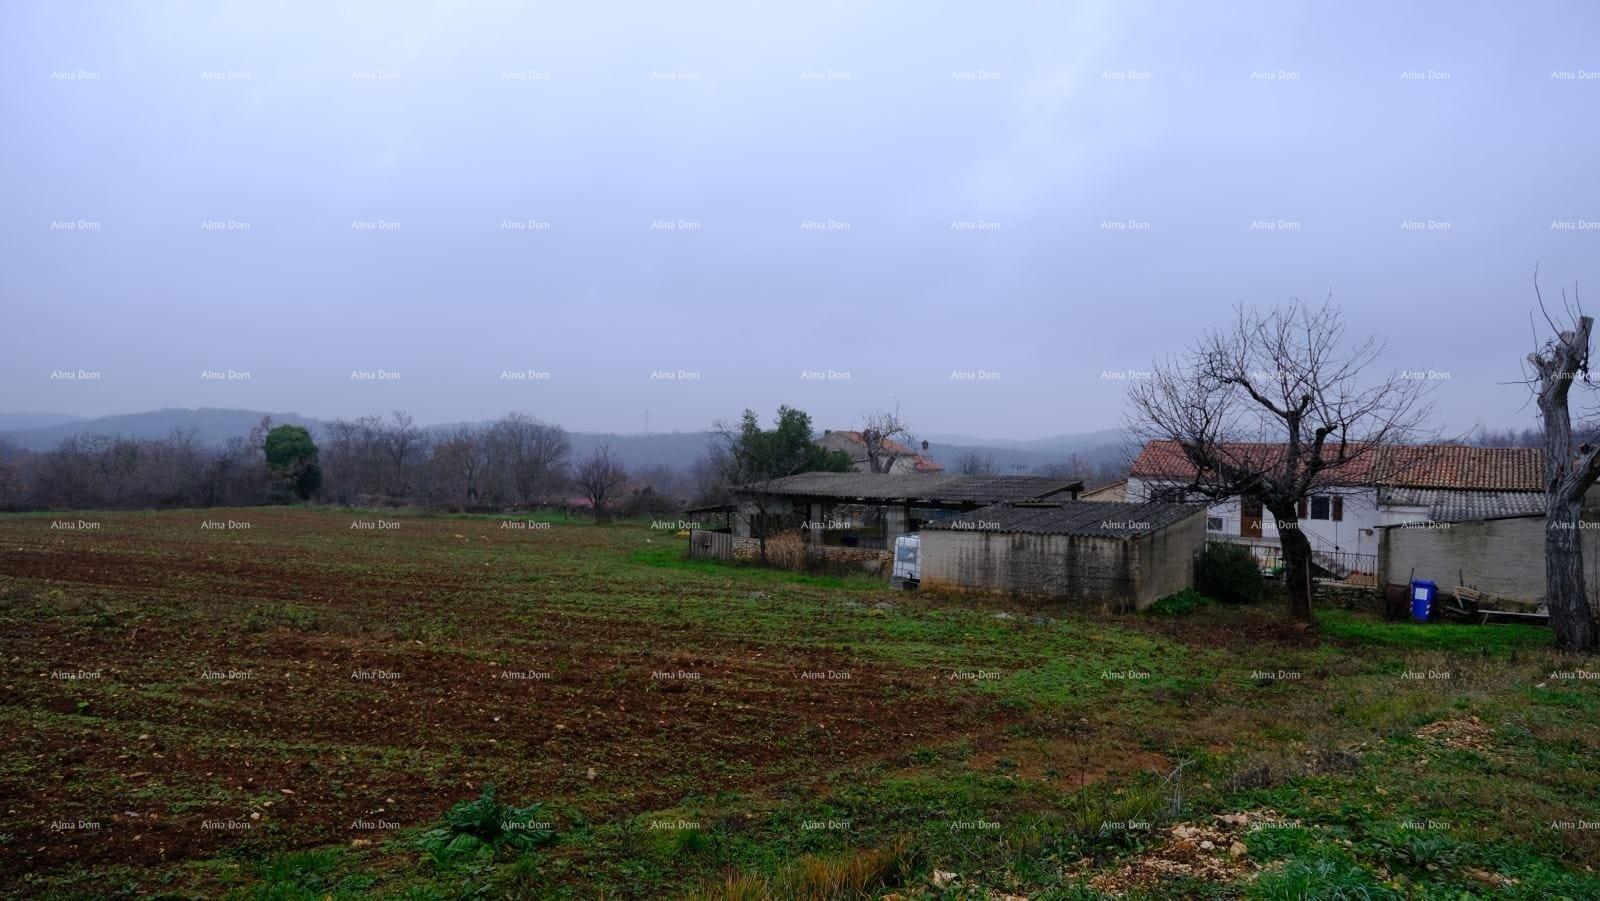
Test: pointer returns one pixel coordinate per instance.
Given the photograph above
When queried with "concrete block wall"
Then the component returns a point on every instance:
(1165, 559)
(1123, 572)
(1504, 558)
(1091, 569)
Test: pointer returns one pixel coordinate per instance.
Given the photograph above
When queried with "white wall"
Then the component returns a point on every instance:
(1356, 533)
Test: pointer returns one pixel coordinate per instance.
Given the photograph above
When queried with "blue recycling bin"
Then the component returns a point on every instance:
(1422, 594)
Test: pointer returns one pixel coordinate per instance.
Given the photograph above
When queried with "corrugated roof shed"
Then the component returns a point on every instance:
(1464, 506)
(1100, 519)
(935, 488)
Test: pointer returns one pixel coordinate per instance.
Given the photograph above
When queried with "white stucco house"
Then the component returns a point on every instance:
(1410, 484)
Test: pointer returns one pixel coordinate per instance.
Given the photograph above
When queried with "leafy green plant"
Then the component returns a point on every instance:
(1179, 603)
(486, 826)
(1415, 849)
(1229, 572)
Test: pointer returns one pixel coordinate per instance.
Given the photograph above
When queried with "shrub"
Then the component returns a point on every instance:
(485, 825)
(1229, 572)
(1179, 603)
(292, 458)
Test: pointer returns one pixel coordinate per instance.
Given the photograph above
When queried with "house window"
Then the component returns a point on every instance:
(1321, 507)
(1213, 524)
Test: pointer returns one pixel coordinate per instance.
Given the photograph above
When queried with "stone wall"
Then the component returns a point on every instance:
(1349, 597)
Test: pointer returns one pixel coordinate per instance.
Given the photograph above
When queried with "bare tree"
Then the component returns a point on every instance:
(665, 481)
(354, 461)
(1483, 436)
(13, 460)
(708, 477)
(402, 443)
(599, 477)
(886, 438)
(528, 456)
(1273, 409)
(1569, 472)
(974, 463)
(458, 465)
(237, 473)
(1094, 475)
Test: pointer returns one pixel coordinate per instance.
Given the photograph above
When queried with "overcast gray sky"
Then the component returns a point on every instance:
(892, 126)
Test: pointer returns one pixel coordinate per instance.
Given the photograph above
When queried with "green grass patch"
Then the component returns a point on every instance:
(1494, 640)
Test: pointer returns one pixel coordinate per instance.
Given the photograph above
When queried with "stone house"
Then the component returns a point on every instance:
(906, 459)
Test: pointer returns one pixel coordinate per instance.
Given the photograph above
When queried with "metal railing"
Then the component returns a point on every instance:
(1341, 564)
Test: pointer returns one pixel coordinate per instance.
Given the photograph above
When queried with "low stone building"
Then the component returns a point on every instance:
(1122, 554)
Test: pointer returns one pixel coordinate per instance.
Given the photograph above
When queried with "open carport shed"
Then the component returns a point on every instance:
(1123, 554)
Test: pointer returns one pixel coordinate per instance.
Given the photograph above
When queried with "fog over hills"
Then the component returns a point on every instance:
(214, 426)
(11, 421)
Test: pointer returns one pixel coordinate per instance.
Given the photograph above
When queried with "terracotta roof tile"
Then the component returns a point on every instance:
(1448, 466)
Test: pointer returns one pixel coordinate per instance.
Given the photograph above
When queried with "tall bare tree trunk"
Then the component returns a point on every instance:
(1565, 593)
(1296, 563)
(1567, 480)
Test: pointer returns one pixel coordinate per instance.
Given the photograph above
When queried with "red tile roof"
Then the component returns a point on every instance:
(1414, 466)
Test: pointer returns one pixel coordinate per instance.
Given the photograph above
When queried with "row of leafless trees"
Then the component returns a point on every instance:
(516, 462)
(117, 472)
(973, 462)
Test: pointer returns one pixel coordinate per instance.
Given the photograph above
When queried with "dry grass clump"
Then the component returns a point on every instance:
(816, 877)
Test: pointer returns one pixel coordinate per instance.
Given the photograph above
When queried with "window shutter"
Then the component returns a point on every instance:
(1338, 508)
(1305, 508)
